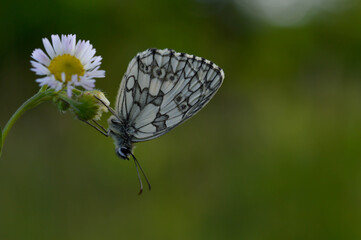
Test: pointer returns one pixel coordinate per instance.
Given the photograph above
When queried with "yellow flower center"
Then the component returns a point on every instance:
(67, 64)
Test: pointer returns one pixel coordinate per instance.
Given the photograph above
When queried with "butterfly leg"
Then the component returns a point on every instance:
(111, 110)
(98, 127)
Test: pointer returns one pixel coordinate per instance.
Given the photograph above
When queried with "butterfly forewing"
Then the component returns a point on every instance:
(163, 88)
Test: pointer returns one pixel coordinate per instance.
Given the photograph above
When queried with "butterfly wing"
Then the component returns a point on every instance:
(162, 88)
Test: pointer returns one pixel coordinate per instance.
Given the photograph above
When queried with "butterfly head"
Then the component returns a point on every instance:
(123, 152)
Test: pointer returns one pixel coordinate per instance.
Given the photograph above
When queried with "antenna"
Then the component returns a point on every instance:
(140, 180)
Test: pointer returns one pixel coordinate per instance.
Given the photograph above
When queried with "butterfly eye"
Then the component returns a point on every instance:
(115, 122)
(123, 152)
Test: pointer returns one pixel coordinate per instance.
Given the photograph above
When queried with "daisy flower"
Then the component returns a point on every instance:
(67, 64)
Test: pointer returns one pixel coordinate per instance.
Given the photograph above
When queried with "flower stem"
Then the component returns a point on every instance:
(44, 94)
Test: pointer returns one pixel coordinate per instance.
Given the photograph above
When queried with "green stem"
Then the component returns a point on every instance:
(44, 94)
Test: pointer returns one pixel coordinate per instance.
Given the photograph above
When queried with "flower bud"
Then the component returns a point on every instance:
(101, 107)
(85, 107)
(62, 105)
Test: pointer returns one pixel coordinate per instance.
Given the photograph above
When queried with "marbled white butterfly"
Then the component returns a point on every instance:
(160, 90)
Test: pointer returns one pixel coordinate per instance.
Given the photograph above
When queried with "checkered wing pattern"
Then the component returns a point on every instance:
(163, 88)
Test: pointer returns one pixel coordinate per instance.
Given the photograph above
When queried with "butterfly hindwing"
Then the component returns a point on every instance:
(163, 88)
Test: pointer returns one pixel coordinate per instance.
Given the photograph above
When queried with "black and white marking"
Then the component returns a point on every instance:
(163, 88)
(160, 90)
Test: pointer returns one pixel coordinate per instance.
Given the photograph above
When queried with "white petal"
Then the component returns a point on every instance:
(93, 63)
(86, 83)
(78, 48)
(72, 42)
(81, 49)
(43, 81)
(57, 85)
(49, 49)
(87, 56)
(51, 82)
(69, 89)
(74, 78)
(96, 74)
(68, 43)
(39, 69)
(58, 48)
(41, 57)
(65, 43)
(63, 77)
(87, 47)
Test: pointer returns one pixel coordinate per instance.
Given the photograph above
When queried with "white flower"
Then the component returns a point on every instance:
(67, 64)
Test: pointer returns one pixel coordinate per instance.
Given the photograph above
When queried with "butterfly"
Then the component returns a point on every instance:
(160, 90)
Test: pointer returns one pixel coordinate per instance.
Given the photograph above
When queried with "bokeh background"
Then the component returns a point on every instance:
(275, 155)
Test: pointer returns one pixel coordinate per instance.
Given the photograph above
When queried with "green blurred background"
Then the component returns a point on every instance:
(275, 155)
